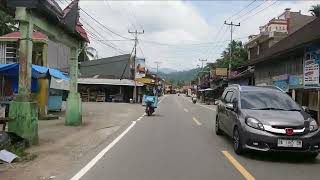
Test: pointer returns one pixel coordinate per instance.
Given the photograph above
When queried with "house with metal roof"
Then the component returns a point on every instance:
(109, 79)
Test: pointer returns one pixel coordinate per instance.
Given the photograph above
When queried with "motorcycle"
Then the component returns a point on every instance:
(149, 108)
(151, 103)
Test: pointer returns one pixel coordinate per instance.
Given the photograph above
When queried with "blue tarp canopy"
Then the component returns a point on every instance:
(37, 71)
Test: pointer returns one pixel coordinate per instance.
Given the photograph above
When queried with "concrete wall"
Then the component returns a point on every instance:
(292, 65)
(58, 55)
(297, 21)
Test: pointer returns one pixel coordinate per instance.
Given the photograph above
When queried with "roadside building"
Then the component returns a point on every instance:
(276, 29)
(293, 65)
(109, 79)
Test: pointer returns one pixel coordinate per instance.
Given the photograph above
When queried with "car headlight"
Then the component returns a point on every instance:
(254, 123)
(313, 125)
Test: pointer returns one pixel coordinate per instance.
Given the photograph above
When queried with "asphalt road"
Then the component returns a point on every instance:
(178, 143)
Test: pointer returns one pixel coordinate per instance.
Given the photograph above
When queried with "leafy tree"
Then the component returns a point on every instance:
(315, 10)
(239, 55)
(7, 23)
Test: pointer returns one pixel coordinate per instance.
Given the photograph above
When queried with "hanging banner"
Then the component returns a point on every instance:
(311, 66)
(140, 68)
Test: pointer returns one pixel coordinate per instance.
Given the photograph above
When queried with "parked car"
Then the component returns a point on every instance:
(266, 119)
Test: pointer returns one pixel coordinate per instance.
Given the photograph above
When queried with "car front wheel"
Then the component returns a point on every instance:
(217, 127)
(237, 142)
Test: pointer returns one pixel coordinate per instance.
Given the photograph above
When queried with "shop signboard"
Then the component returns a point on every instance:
(140, 68)
(295, 80)
(311, 66)
(221, 71)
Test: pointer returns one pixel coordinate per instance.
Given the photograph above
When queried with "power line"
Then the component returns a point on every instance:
(103, 25)
(248, 12)
(241, 9)
(108, 45)
(245, 19)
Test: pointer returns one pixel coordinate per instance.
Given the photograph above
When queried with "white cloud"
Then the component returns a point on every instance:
(174, 22)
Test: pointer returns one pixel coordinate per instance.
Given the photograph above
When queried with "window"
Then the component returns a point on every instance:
(11, 52)
(228, 96)
(267, 99)
(234, 97)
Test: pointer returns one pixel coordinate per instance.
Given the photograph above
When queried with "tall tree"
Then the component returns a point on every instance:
(7, 23)
(239, 55)
(315, 10)
(88, 53)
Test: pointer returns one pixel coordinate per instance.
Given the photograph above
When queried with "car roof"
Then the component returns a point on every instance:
(256, 88)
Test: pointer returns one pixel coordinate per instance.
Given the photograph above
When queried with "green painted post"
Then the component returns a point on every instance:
(73, 111)
(23, 110)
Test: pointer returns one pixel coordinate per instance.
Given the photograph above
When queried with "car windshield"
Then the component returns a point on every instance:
(267, 100)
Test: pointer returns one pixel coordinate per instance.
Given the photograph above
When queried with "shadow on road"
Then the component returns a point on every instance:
(282, 157)
(277, 157)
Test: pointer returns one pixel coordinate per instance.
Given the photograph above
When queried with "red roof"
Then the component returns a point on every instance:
(17, 35)
(82, 31)
(79, 27)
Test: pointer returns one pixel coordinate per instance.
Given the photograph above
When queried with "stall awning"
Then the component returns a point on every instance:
(115, 82)
(37, 71)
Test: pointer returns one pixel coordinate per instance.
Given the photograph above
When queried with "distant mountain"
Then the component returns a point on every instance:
(187, 75)
(162, 70)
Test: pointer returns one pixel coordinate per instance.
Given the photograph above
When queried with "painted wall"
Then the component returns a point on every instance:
(58, 56)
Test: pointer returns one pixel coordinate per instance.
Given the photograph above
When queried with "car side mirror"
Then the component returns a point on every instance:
(216, 102)
(306, 109)
(230, 106)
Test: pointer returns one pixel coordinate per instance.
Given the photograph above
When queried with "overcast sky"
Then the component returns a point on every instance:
(177, 33)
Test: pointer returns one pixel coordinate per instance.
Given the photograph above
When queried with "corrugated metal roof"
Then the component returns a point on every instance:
(115, 82)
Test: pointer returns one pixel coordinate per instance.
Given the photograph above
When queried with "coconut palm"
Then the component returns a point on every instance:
(88, 53)
(315, 10)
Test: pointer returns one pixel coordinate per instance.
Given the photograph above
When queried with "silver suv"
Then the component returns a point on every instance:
(266, 119)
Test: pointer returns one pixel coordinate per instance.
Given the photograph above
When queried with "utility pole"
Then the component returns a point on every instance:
(202, 61)
(157, 78)
(231, 31)
(136, 33)
(157, 63)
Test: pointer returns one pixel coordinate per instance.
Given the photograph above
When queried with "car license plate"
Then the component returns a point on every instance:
(289, 143)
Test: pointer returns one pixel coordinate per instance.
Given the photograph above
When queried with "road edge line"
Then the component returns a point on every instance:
(238, 166)
(88, 166)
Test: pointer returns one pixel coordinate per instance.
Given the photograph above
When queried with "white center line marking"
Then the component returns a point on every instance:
(196, 121)
(186, 110)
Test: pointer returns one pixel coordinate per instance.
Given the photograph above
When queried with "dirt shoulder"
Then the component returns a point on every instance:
(60, 146)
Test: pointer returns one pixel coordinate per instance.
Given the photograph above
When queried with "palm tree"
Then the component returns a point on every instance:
(91, 52)
(88, 53)
(315, 10)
